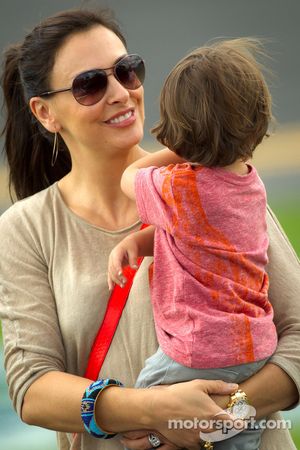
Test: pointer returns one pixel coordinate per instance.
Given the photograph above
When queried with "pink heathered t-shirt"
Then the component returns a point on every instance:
(209, 287)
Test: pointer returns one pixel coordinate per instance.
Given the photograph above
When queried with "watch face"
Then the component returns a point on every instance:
(240, 409)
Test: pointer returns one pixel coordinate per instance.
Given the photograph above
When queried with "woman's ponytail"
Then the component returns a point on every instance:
(28, 148)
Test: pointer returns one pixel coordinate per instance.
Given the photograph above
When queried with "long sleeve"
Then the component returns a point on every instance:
(284, 292)
(32, 338)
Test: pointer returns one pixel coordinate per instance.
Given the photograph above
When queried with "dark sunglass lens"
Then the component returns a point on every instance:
(130, 71)
(89, 87)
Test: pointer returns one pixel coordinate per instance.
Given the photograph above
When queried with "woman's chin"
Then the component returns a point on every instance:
(135, 138)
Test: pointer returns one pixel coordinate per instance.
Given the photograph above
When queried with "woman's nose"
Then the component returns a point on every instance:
(116, 92)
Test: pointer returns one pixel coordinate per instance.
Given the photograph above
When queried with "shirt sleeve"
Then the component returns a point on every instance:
(153, 207)
(284, 293)
(32, 339)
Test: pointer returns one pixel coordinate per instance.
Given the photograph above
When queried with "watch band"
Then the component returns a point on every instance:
(238, 404)
(237, 396)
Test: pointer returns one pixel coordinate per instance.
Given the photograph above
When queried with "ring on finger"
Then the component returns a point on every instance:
(154, 441)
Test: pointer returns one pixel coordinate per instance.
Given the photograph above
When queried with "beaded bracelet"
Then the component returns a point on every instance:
(88, 405)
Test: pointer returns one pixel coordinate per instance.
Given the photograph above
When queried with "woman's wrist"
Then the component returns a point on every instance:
(88, 405)
(119, 410)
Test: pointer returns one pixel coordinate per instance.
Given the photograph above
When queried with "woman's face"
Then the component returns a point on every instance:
(116, 121)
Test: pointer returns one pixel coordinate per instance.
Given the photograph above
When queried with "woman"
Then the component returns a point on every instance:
(55, 245)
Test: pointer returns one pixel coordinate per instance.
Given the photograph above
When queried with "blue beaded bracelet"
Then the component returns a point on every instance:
(88, 405)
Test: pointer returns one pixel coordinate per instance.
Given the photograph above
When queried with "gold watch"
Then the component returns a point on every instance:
(238, 404)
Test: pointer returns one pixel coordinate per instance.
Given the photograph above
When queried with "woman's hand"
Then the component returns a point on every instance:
(164, 409)
(139, 440)
(186, 403)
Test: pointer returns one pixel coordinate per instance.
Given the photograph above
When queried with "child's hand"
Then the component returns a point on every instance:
(126, 252)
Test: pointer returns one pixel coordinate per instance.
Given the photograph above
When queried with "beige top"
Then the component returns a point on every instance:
(53, 295)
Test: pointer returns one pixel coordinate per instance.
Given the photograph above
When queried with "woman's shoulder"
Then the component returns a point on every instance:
(36, 207)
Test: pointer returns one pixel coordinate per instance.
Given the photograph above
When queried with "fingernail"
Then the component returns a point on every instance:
(233, 385)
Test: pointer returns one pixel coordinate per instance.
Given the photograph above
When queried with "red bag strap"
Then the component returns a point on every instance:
(115, 306)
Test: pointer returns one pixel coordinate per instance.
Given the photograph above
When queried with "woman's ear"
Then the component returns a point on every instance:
(43, 112)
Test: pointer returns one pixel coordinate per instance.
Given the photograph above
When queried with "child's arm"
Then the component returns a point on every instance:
(161, 158)
(127, 252)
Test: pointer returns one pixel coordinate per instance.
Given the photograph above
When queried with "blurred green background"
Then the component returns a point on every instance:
(162, 31)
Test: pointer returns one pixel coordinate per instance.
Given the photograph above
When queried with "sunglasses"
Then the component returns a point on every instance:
(89, 87)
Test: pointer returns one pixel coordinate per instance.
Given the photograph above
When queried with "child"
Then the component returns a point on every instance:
(207, 206)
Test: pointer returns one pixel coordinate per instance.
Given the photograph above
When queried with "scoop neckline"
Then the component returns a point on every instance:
(85, 222)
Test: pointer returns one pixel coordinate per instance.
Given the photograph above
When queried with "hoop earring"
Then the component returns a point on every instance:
(54, 150)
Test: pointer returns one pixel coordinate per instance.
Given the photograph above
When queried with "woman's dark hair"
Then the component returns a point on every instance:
(27, 68)
(215, 106)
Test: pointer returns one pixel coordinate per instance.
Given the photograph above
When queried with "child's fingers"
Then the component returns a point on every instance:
(132, 258)
(119, 257)
(122, 280)
(116, 276)
(115, 265)
(110, 283)
(112, 273)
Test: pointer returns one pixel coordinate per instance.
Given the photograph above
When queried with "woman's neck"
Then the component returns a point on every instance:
(92, 191)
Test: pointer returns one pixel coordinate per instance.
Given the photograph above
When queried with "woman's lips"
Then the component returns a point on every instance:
(123, 119)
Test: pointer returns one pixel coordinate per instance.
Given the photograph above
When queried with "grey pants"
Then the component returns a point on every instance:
(160, 369)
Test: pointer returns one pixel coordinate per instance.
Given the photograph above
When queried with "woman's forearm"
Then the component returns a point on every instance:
(119, 410)
(268, 391)
(53, 401)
